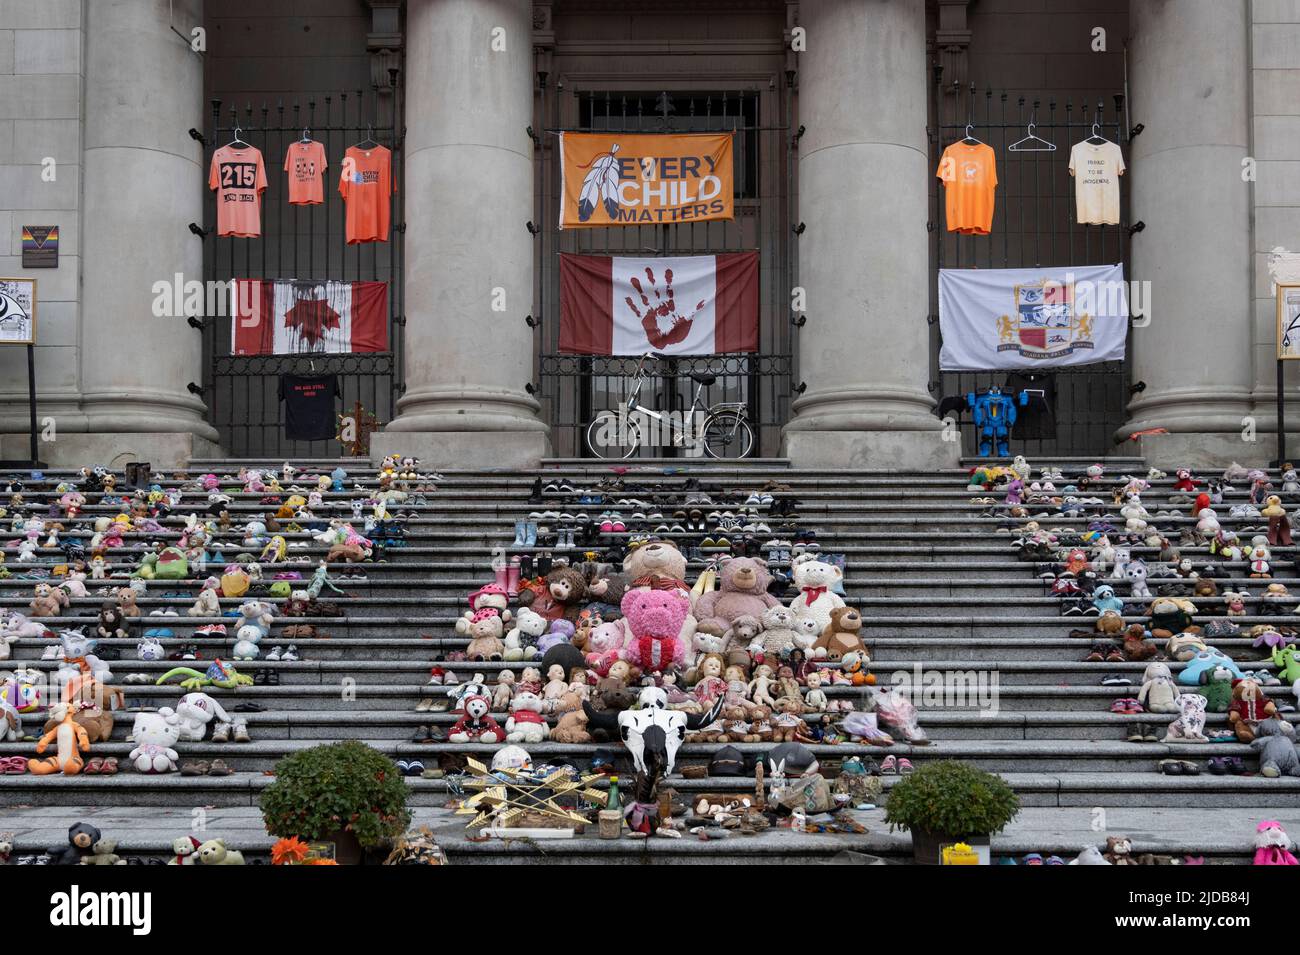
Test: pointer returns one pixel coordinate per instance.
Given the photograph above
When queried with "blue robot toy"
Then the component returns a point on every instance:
(995, 415)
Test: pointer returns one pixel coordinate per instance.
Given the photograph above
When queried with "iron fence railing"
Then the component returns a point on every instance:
(305, 243)
(1033, 225)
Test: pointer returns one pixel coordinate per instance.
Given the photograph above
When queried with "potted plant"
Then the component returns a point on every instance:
(947, 801)
(346, 793)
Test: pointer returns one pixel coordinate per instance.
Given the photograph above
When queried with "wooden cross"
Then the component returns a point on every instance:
(364, 424)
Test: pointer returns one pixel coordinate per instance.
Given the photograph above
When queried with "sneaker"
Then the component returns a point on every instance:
(291, 654)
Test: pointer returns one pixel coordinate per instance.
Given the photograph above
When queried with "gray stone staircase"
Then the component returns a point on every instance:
(938, 582)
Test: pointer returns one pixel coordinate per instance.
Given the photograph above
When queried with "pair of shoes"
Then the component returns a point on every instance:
(411, 767)
(203, 768)
(892, 765)
(1142, 733)
(1178, 767)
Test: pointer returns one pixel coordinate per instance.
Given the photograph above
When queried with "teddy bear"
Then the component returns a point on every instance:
(1190, 725)
(1109, 623)
(526, 723)
(571, 728)
(1136, 647)
(807, 628)
(101, 853)
(126, 601)
(1119, 851)
(654, 619)
(742, 591)
(207, 605)
(1275, 743)
(475, 725)
(786, 720)
(89, 698)
(81, 842)
(743, 631)
(154, 735)
(485, 630)
(1170, 615)
(48, 601)
(1249, 707)
(214, 852)
(521, 641)
(814, 579)
(561, 595)
(659, 564)
(1159, 693)
(777, 636)
(843, 635)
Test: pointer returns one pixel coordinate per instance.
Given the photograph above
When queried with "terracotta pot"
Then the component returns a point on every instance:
(927, 846)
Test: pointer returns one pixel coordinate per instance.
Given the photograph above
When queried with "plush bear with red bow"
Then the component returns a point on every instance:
(815, 578)
(655, 619)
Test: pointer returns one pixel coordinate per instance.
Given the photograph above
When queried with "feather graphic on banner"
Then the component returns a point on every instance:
(600, 184)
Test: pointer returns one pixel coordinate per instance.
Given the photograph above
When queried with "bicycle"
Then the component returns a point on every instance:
(724, 431)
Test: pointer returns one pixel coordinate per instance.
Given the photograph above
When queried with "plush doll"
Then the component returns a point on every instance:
(1259, 558)
(490, 596)
(559, 633)
(655, 619)
(1275, 743)
(842, 635)
(1287, 660)
(207, 604)
(485, 630)
(1159, 693)
(88, 698)
(1248, 708)
(214, 852)
(777, 637)
(1119, 851)
(743, 583)
(101, 853)
(81, 843)
(17, 626)
(1170, 615)
(604, 641)
(815, 580)
(183, 849)
(1184, 646)
(1136, 646)
(1272, 845)
(1136, 572)
(1190, 725)
(475, 725)
(48, 601)
(112, 624)
(526, 723)
(561, 596)
(1104, 599)
(571, 728)
(521, 641)
(70, 740)
(807, 629)
(733, 644)
(154, 735)
(1204, 663)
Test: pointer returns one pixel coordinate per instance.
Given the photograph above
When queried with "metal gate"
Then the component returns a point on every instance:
(573, 388)
(1034, 225)
(306, 243)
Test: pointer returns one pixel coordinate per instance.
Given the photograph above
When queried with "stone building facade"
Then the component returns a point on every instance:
(105, 94)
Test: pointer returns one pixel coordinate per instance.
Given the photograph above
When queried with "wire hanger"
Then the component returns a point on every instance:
(237, 141)
(1096, 135)
(970, 137)
(1032, 143)
(370, 138)
(306, 135)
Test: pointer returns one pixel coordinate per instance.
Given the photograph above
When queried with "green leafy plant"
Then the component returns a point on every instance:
(345, 786)
(952, 798)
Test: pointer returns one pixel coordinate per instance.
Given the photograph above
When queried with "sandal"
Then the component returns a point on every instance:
(109, 767)
(195, 768)
(219, 768)
(93, 766)
(905, 767)
(889, 765)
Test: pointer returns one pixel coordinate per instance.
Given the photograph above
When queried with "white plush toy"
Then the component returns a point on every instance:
(526, 723)
(807, 628)
(521, 641)
(154, 735)
(207, 605)
(815, 578)
(196, 711)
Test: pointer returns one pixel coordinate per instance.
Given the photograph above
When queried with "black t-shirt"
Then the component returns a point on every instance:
(309, 406)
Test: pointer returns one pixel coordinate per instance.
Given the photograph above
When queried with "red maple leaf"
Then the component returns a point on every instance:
(311, 316)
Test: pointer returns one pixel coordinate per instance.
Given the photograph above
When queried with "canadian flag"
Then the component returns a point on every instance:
(685, 305)
(285, 317)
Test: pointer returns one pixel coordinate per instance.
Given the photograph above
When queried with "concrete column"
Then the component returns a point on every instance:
(864, 259)
(469, 194)
(144, 181)
(1189, 82)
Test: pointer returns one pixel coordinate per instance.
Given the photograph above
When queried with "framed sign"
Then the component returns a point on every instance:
(40, 247)
(1288, 321)
(17, 311)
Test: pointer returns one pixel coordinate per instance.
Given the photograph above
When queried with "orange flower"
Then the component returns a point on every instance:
(290, 851)
(320, 862)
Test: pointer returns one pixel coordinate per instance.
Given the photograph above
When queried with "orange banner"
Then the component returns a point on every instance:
(644, 178)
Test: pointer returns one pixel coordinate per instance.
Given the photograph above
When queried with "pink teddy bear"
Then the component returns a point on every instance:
(655, 618)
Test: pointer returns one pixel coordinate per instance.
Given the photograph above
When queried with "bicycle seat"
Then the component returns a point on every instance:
(704, 380)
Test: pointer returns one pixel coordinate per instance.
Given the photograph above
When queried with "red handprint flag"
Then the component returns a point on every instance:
(683, 305)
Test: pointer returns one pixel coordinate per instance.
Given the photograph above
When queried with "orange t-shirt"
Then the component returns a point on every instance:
(970, 176)
(305, 164)
(366, 184)
(238, 175)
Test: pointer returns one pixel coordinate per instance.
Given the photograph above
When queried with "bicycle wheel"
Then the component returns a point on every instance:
(611, 435)
(727, 435)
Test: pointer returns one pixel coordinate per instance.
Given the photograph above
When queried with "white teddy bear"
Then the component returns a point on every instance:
(526, 723)
(815, 578)
(521, 641)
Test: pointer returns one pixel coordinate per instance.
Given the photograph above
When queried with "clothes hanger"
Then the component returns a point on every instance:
(237, 140)
(970, 137)
(306, 135)
(1096, 135)
(370, 138)
(1032, 144)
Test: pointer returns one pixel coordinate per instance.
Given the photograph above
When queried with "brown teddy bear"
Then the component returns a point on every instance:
(1110, 623)
(1136, 646)
(842, 635)
(48, 601)
(1119, 851)
(560, 598)
(571, 728)
(126, 602)
(742, 592)
(1248, 707)
(89, 697)
(485, 630)
(735, 642)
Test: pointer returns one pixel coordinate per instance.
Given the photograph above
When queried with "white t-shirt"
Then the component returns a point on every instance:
(1096, 168)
